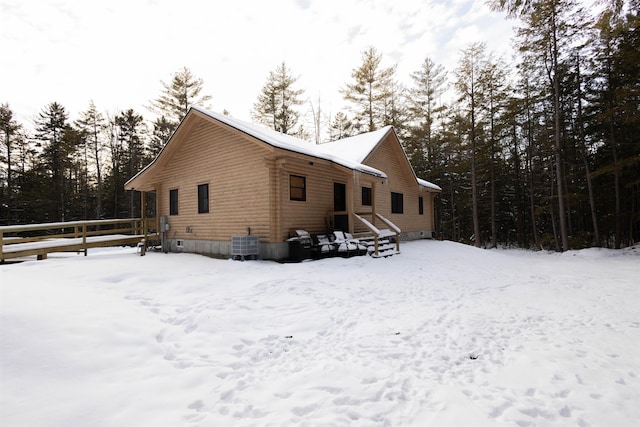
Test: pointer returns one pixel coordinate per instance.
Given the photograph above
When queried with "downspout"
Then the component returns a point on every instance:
(373, 203)
(350, 201)
(158, 204)
(373, 214)
(143, 216)
(277, 200)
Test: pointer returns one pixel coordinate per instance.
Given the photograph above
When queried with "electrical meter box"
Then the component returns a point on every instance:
(164, 224)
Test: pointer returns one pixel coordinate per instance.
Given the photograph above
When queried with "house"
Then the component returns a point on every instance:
(219, 177)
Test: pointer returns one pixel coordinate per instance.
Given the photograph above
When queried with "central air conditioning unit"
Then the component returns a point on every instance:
(245, 246)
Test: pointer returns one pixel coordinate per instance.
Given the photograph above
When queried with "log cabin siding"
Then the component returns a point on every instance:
(238, 179)
(361, 180)
(389, 157)
(313, 213)
(248, 171)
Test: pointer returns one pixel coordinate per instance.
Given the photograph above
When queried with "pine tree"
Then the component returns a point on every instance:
(114, 181)
(394, 110)
(51, 124)
(127, 147)
(10, 130)
(547, 29)
(77, 182)
(92, 125)
(341, 127)
(455, 197)
(493, 84)
(371, 91)
(467, 84)
(583, 147)
(132, 131)
(277, 103)
(162, 131)
(178, 96)
(429, 83)
(616, 122)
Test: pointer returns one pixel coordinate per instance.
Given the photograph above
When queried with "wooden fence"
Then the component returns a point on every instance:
(41, 239)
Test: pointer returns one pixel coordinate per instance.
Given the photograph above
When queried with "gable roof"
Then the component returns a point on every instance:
(358, 148)
(348, 152)
(355, 148)
(290, 143)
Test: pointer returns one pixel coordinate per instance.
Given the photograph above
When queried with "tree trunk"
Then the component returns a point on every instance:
(474, 180)
(9, 183)
(558, 138)
(474, 196)
(554, 227)
(585, 161)
(520, 203)
(98, 174)
(494, 229)
(618, 236)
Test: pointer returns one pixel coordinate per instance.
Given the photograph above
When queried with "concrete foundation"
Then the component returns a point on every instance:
(222, 249)
(273, 251)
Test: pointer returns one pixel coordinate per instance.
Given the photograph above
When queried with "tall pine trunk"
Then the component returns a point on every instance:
(98, 174)
(555, 81)
(474, 179)
(494, 228)
(585, 160)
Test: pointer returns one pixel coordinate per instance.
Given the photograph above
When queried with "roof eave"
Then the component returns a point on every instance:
(360, 167)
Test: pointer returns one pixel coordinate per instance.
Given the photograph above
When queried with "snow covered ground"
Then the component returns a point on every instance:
(443, 334)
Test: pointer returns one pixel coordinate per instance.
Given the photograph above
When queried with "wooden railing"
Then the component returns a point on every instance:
(42, 239)
(393, 227)
(378, 233)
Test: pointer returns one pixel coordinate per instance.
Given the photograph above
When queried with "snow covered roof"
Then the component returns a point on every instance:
(291, 143)
(355, 148)
(428, 184)
(348, 152)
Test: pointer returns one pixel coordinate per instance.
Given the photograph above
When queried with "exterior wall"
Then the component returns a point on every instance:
(249, 189)
(312, 214)
(238, 179)
(389, 157)
(362, 180)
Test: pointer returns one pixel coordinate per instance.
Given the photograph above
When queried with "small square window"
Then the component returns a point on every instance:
(173, 202)
(366, 196)
(203, 198)
(297, 188)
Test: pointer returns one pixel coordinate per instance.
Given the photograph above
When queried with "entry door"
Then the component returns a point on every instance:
(340, 221)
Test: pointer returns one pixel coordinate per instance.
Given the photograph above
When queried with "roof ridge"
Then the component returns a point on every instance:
(293, 143)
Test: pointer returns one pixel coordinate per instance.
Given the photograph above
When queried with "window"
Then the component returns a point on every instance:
(366, 196)
(203, 198)
(339, 197)
(420, 205)
(297, 188)
(396, 203)
(173, 202)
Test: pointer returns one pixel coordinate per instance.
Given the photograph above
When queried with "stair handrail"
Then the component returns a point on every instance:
(376, 232)
(394, 228)
(367, 224)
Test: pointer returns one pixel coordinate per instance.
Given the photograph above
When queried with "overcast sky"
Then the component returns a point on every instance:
(116, 52)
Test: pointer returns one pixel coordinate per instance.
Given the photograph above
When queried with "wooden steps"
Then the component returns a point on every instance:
(386, 247)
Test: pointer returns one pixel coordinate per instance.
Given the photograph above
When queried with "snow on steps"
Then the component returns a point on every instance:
(386, 248)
